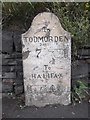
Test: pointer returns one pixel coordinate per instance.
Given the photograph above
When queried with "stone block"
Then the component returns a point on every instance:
(18, 89)
(46, 62)
(7, 87)
(7, 41)
(8, 75)
(79, 69)
(17, 41)
(9, 62)
(83, 52)
(18, 81)
(8, 68)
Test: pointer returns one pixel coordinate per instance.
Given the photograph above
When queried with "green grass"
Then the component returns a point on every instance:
(79, 91)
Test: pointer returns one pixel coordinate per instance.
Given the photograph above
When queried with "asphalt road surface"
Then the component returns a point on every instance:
(15, 108)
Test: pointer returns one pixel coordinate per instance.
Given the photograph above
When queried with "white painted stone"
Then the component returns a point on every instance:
(46, 62)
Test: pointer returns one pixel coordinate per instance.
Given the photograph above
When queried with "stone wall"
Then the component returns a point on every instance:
(12, 70)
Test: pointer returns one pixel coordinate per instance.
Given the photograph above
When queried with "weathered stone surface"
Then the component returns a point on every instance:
(20, 75)
(14, 55)
(83, 52)
(0, 86)
(88, 61)
(79, 69)
(9, 62)
(12, 62)
(8, 68)
(7, 41)
(19, 68)
(18, 81)
(8, 75)
(0, 72)
(18, 89)
(8, 81)
(17, 41)
(0, 68)
(46, 62)
(19, 62)
(8, 87)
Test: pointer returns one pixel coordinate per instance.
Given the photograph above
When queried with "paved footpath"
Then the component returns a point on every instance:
(14, 108)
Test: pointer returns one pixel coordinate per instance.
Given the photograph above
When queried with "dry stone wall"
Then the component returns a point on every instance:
(12, 72)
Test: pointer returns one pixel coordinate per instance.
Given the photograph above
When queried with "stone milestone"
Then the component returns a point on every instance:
(46, 49)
